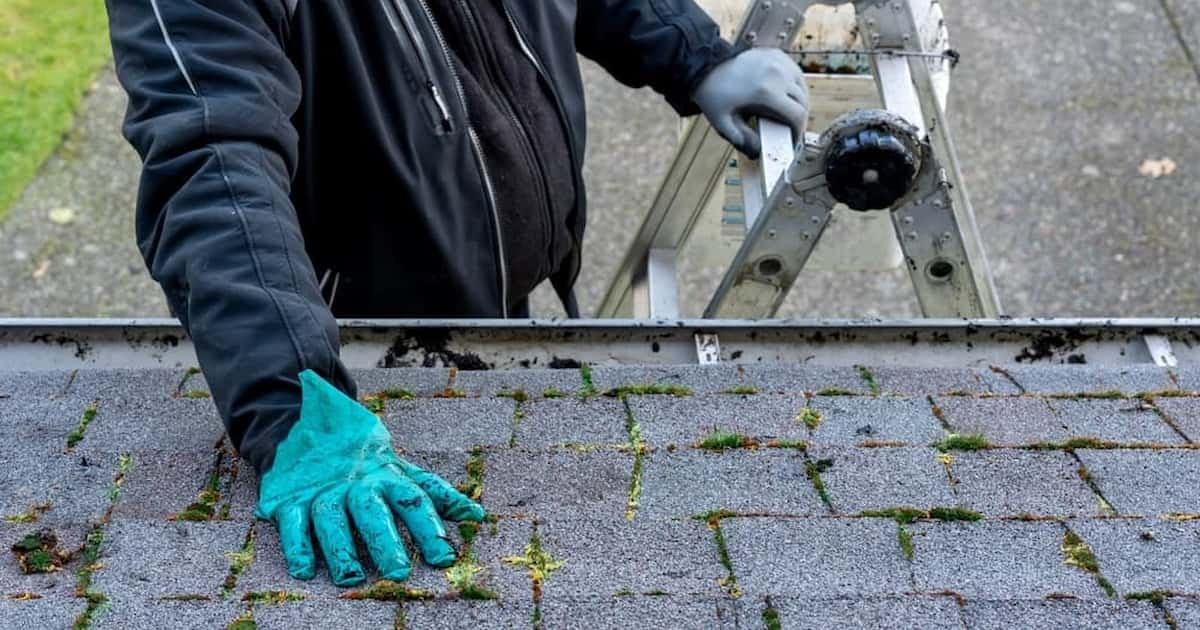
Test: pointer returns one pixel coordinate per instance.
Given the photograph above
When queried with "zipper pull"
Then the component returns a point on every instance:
(443, 108)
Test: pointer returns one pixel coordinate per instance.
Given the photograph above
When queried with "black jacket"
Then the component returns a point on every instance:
(287, 142)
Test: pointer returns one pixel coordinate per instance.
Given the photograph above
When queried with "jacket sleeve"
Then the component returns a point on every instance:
(669, 45)
(211, 95)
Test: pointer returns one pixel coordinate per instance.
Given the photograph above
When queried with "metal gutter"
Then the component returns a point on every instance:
(37, 344)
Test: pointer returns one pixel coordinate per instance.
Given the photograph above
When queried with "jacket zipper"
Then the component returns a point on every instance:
(510, 112)
(476, 149)
(410, 28)
(562, 118)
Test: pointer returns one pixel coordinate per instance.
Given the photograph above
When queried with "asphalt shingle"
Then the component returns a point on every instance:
(136, 614)
(1015, 482)
(932, 381)
(542, 484)
(418, 381)
(40, 613)
(165, 559)
(1122, 421)
(449, 424)
(1004, 420)
(555, 422)
(667, 420)
(1138, 556)
(1146, 482)
(857, 557)
(854, 420)
(332, 614)
(1062, 614)
(651, 613)
(603, 558)
(535, 383)
(1185, 413)
(455, 615)
(791, 378)
(700, 379)
(1185, 611)
(689, 482)
(996, 560)
(912, 613)
(860, 479)
(1075, 379)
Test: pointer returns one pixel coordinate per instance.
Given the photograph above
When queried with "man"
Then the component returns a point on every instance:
(404, 158)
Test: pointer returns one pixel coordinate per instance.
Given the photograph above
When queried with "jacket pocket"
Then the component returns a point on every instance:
(419, 60)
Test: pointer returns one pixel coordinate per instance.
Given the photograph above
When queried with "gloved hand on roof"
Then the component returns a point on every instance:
(762, 82)
(336, 470)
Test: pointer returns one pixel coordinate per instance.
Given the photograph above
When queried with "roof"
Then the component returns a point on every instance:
(1020, 496)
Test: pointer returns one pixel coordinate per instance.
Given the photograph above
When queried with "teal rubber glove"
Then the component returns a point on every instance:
(757, 82)
(337, 466)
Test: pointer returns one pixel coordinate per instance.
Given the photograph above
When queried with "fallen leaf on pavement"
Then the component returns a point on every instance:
(41, 269)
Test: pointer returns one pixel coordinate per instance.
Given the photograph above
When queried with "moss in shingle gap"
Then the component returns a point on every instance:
(30, 515)
(461, 576)
(729, 582)
(96, 602)
(770, 618)
(1083, 442)
(649, 389)
(711, 517)
(473, 486)
(1109, 394)
(553, 392)
(204, 507)
(787, 443)
(962, 442)
(638, 445)
(836, 391)
(905, 540)
(742, 390)
(814, 469)
(76, 434)
(244, 621)
(273, 597)
(39, 552)
(538, 561)
(1156, 596)
(451, 392)
(881, 444)
(1180, 517)
(720, 439)
(387, 591)
(589, 387)
(810, 417)
(518, 394)
(905, 515)
(239, 561)
(187, 376)
(378, 401)
(1077, 553)
(869, 378)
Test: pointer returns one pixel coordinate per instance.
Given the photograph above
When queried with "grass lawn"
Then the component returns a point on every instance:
(50, 50)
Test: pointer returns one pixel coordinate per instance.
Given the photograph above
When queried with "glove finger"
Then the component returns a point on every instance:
(750, 143)
(333, 532)
(789, 112)
(450, 503)
(377, 526)
(413, 507)
(296, 540)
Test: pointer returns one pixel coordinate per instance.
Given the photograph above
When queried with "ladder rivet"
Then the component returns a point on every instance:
(790, 22)
(806, 236)
(816, 220)
(771, 233)
(937, 203)
(912, 236)
(908, 220)
(751, 36)
(789, 202)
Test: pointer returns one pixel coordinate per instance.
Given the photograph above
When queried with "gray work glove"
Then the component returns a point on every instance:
(762, 82)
